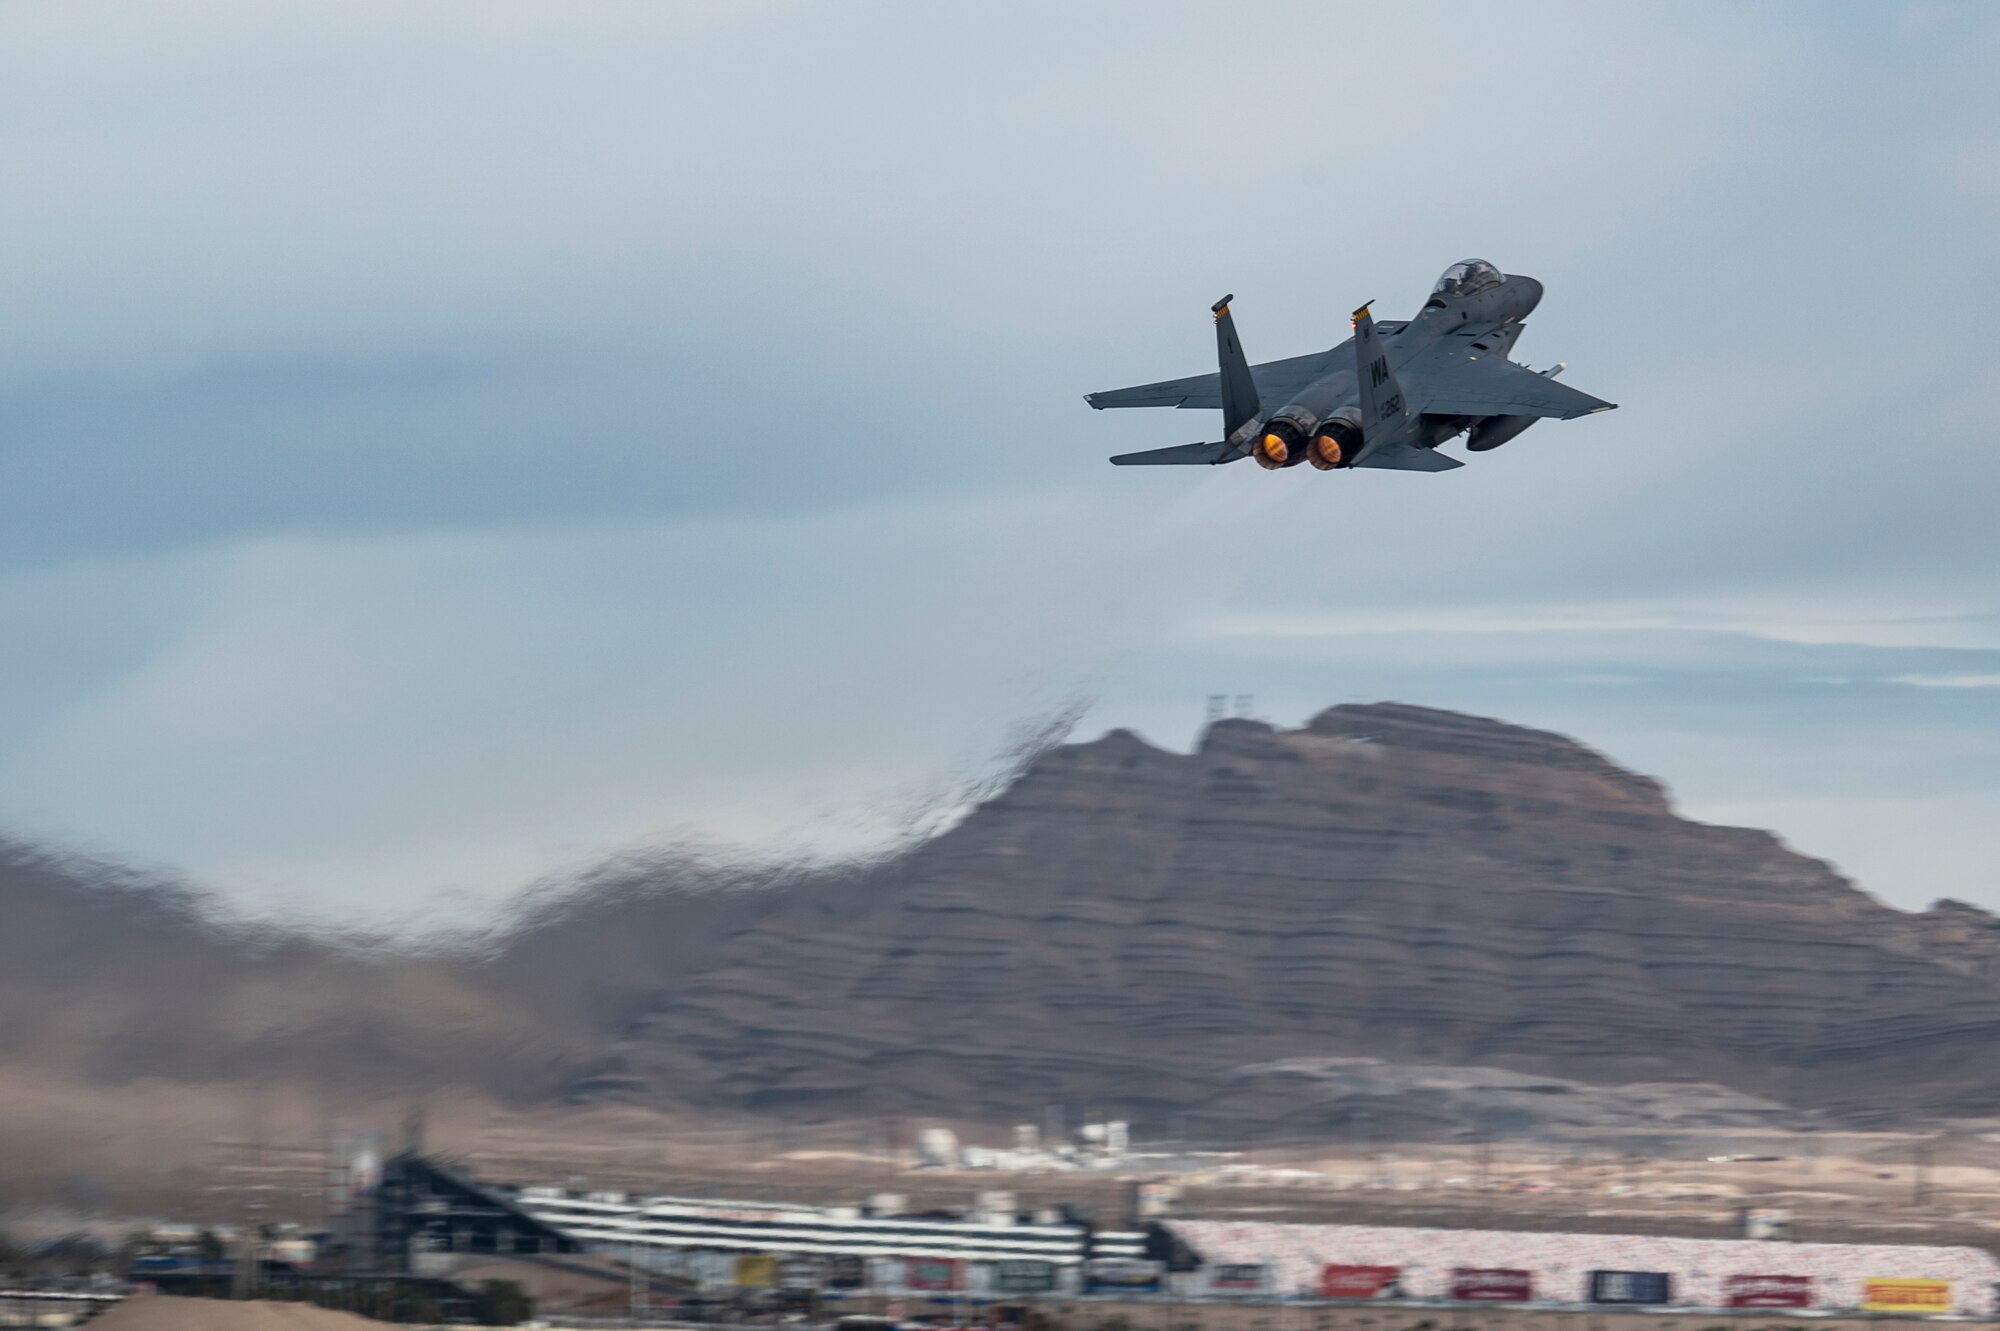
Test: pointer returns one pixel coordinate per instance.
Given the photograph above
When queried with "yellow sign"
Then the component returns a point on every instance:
(1906, 1296)
(756, 1272)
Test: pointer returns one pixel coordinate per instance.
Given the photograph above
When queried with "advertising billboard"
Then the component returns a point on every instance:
(1019, 1276)
(1238, 1277)
(756, 1271)
(940, 1273)
(1359, 1282)
(1496, 1285)
(1768, 1291)
(1120, 1275)
(1906, 1296)
(1653, 1287)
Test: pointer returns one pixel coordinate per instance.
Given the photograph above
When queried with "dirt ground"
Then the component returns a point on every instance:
(163, 1313)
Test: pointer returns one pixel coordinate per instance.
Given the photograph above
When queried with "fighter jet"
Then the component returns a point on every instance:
(1386, 397)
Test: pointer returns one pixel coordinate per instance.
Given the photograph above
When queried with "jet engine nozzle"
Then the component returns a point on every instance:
(1282, 444)
(1336, 442)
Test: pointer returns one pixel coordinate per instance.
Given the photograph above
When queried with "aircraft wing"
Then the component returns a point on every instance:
(1496, 386)
(1277, 381)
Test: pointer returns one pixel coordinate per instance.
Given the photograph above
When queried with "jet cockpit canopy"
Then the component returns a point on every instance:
(1467, 278)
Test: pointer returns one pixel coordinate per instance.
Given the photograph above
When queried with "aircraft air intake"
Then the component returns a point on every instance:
(1496, 430)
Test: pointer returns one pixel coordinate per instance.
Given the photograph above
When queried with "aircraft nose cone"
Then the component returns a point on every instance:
(1525, 294)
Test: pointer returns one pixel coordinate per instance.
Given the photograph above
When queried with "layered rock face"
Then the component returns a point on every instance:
(1218, 940)
(1134, 930)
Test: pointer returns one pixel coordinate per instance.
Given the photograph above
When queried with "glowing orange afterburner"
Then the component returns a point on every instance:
(1281, 445)
(1337, 444)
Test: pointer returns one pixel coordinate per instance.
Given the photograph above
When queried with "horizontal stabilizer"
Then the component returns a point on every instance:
(1401, 457)
(1496, 386)
(1180, 455)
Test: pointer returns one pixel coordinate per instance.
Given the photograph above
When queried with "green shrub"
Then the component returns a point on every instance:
(502, 1303)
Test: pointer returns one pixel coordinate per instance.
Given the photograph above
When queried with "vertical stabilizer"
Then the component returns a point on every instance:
(1239, 390)
(1385, 412)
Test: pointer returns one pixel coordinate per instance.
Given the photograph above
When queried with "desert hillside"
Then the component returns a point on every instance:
(1208, 941)
(1182, 935)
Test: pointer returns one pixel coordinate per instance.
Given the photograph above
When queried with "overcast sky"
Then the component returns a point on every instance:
(443, 444)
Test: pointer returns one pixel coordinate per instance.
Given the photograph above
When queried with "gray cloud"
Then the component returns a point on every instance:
(446, 443)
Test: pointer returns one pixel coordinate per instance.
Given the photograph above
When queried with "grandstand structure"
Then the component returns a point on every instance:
(413, 1205)
(1704, 1273)
(415, 1214)
(620, 1221)
(420, 1214)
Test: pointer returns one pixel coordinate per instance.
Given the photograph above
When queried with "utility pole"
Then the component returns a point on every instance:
(1920, 1175)
(245, 1281)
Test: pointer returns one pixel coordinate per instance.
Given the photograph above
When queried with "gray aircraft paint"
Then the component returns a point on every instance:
(1408, 386)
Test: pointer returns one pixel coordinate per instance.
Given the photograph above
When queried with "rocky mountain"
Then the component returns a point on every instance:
(1433, 921)
(1159, 934)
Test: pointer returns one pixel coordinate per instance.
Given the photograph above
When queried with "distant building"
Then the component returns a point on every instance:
(421, 1206)
(692, 1224)
(422, 1214)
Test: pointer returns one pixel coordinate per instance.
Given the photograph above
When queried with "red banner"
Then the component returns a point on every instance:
(1768, 1291)
(1356, 1282)
(1498, 1286)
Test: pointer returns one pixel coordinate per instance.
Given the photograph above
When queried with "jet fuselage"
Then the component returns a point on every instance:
(1386, 397)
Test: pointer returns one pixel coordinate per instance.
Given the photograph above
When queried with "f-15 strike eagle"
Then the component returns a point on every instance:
(1402, 389)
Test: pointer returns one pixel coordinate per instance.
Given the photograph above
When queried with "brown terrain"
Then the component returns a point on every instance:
(1393, 923)
(1180, 937)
